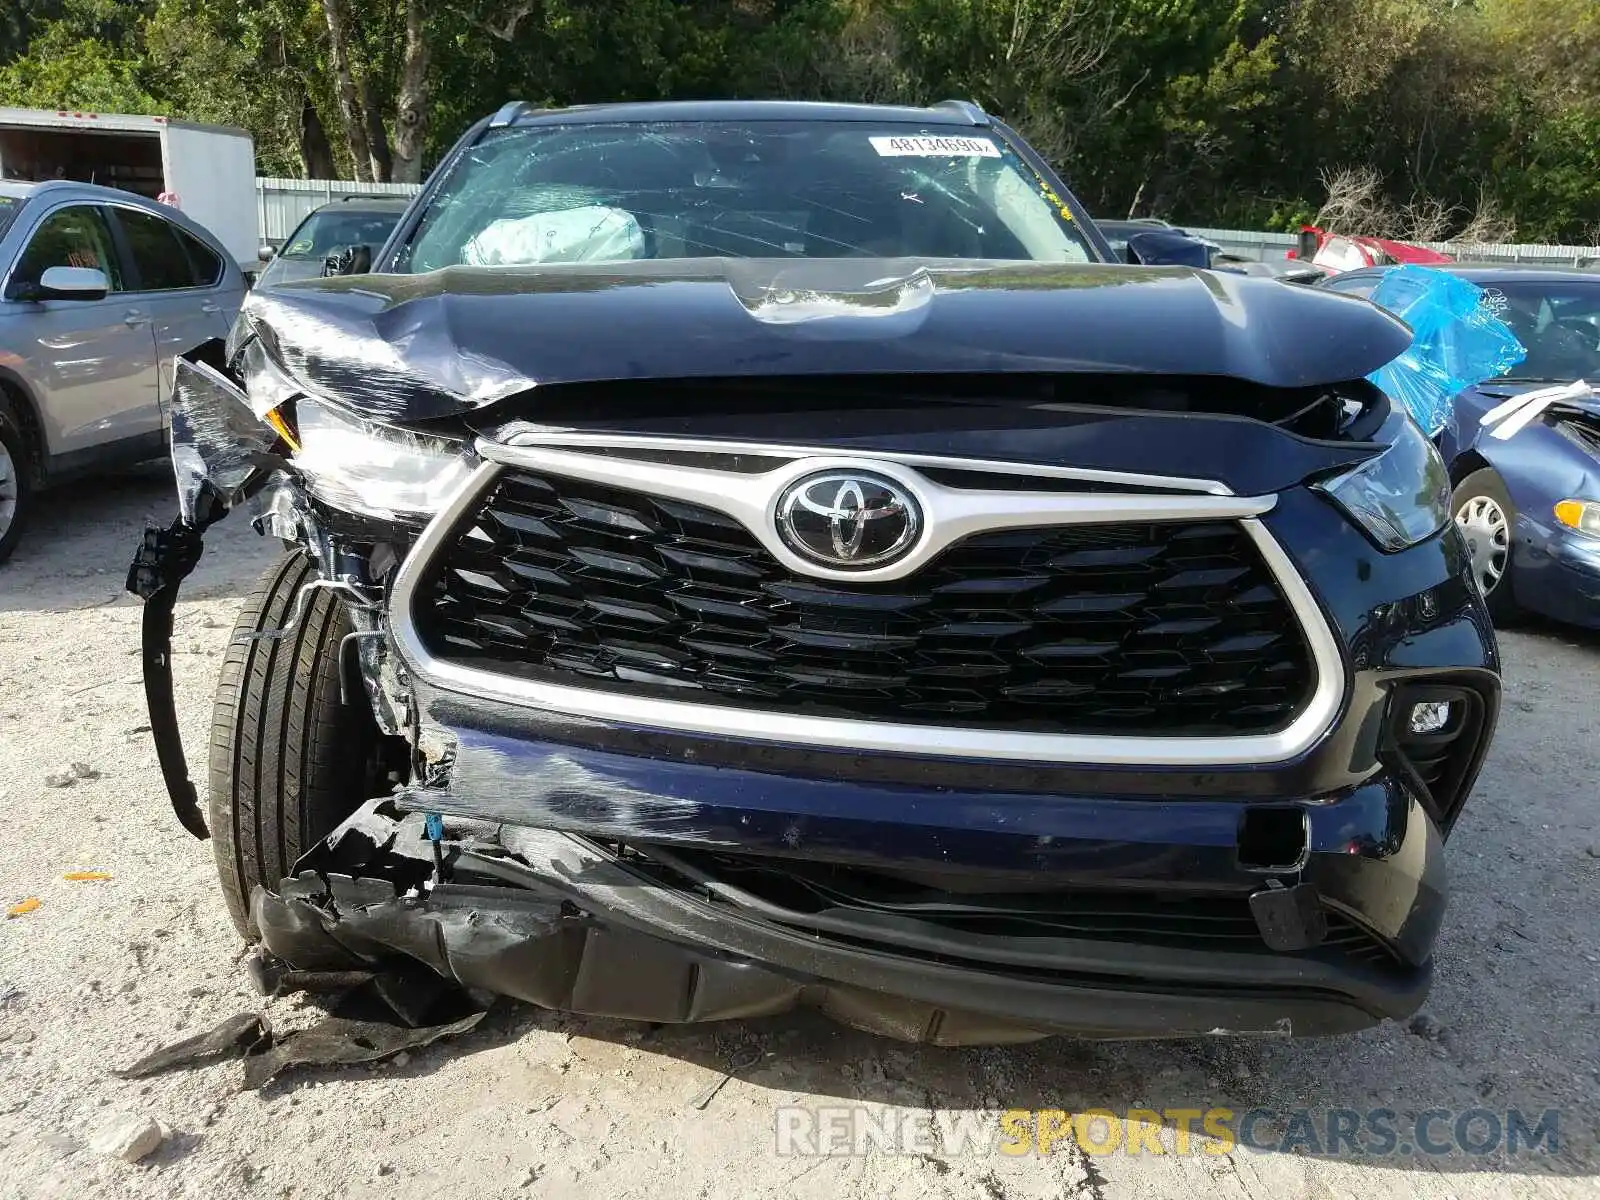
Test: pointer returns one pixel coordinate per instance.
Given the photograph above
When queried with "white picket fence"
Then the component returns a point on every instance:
(281, 203)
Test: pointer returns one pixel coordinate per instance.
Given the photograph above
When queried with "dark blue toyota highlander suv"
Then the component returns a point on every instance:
(748, 555)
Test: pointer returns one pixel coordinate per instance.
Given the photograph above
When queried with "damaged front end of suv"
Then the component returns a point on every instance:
(973, 650)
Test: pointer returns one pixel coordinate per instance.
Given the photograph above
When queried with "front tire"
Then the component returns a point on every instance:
(289, 761)
(1486, 518)
(16, 494)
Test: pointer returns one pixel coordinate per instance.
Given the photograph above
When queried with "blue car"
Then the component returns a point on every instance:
(747, 555)
(1529, 504)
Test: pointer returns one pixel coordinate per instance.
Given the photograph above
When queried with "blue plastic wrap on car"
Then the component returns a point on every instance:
(1458, 340)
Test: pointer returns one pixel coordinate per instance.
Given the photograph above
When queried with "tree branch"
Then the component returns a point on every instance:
(411, 105)
(351, 112)
(506, 31)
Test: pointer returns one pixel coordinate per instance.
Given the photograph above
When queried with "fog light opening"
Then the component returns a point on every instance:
(1436, 729)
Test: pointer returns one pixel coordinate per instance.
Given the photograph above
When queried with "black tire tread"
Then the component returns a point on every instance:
(287, 758)
(15, 435)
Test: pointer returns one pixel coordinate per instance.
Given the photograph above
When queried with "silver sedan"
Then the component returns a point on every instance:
(100, 291)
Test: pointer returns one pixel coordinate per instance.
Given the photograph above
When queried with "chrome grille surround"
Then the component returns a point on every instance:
(952, 515)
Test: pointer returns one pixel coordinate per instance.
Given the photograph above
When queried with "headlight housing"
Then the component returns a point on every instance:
(1582, 515)
(1399, 498)
(375, 470)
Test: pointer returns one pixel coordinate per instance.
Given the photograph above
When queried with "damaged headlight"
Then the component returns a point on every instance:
(375, 470)
(1399, 498)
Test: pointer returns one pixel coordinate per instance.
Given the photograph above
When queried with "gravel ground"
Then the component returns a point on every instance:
(536, 1104)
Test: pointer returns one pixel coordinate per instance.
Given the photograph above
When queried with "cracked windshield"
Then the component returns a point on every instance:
(622, 193)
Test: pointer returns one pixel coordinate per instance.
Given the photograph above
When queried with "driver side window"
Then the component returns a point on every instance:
(77, 236)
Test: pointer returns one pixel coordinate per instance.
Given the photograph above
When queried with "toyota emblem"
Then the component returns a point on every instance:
(848, 520)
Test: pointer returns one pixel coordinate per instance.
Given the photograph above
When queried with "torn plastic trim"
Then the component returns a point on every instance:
(376, 1017)
(223, 451)
(224, 454)
(364, 655)
(555, 920)
(164, 560)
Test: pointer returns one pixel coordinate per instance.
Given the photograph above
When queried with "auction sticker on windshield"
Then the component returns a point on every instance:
(935, 147)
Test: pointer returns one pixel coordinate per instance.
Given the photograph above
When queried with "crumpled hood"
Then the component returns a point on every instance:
(416, 347)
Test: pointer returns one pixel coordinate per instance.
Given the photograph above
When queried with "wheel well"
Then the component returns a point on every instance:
(32, 430)
(213, 353)
(1465, 464)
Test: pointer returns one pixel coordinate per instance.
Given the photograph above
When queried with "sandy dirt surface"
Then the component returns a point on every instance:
(537, 1104)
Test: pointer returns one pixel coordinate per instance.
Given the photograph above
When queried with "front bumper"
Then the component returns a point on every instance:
(552, 891)
(569, 922)
(1558, 573)
(566, 834)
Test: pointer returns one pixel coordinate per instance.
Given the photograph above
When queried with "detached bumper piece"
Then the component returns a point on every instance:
(163, 561)
(667, 936)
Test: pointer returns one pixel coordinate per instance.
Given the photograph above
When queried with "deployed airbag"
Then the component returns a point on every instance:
(594, 233)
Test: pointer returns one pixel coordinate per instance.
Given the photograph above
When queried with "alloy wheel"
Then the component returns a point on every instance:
(1483, 523)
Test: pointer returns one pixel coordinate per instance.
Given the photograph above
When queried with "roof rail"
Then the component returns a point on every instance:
(966, 108)
(508, 113)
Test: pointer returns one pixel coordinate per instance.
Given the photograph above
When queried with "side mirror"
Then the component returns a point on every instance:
(351, 260)
(266, 252)
(70, 283)
(1167, 248)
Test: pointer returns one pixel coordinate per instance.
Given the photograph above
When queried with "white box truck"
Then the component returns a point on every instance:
(209, 171)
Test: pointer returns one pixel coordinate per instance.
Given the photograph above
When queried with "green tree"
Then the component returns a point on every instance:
(252, 63)
(62, 70)
(1456, 114)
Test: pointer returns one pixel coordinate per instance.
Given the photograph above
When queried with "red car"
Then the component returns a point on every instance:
(1338, 252)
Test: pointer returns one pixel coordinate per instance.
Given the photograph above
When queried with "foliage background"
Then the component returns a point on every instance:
(1400, 117)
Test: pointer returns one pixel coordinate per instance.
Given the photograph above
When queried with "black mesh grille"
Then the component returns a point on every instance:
(1169, 628)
